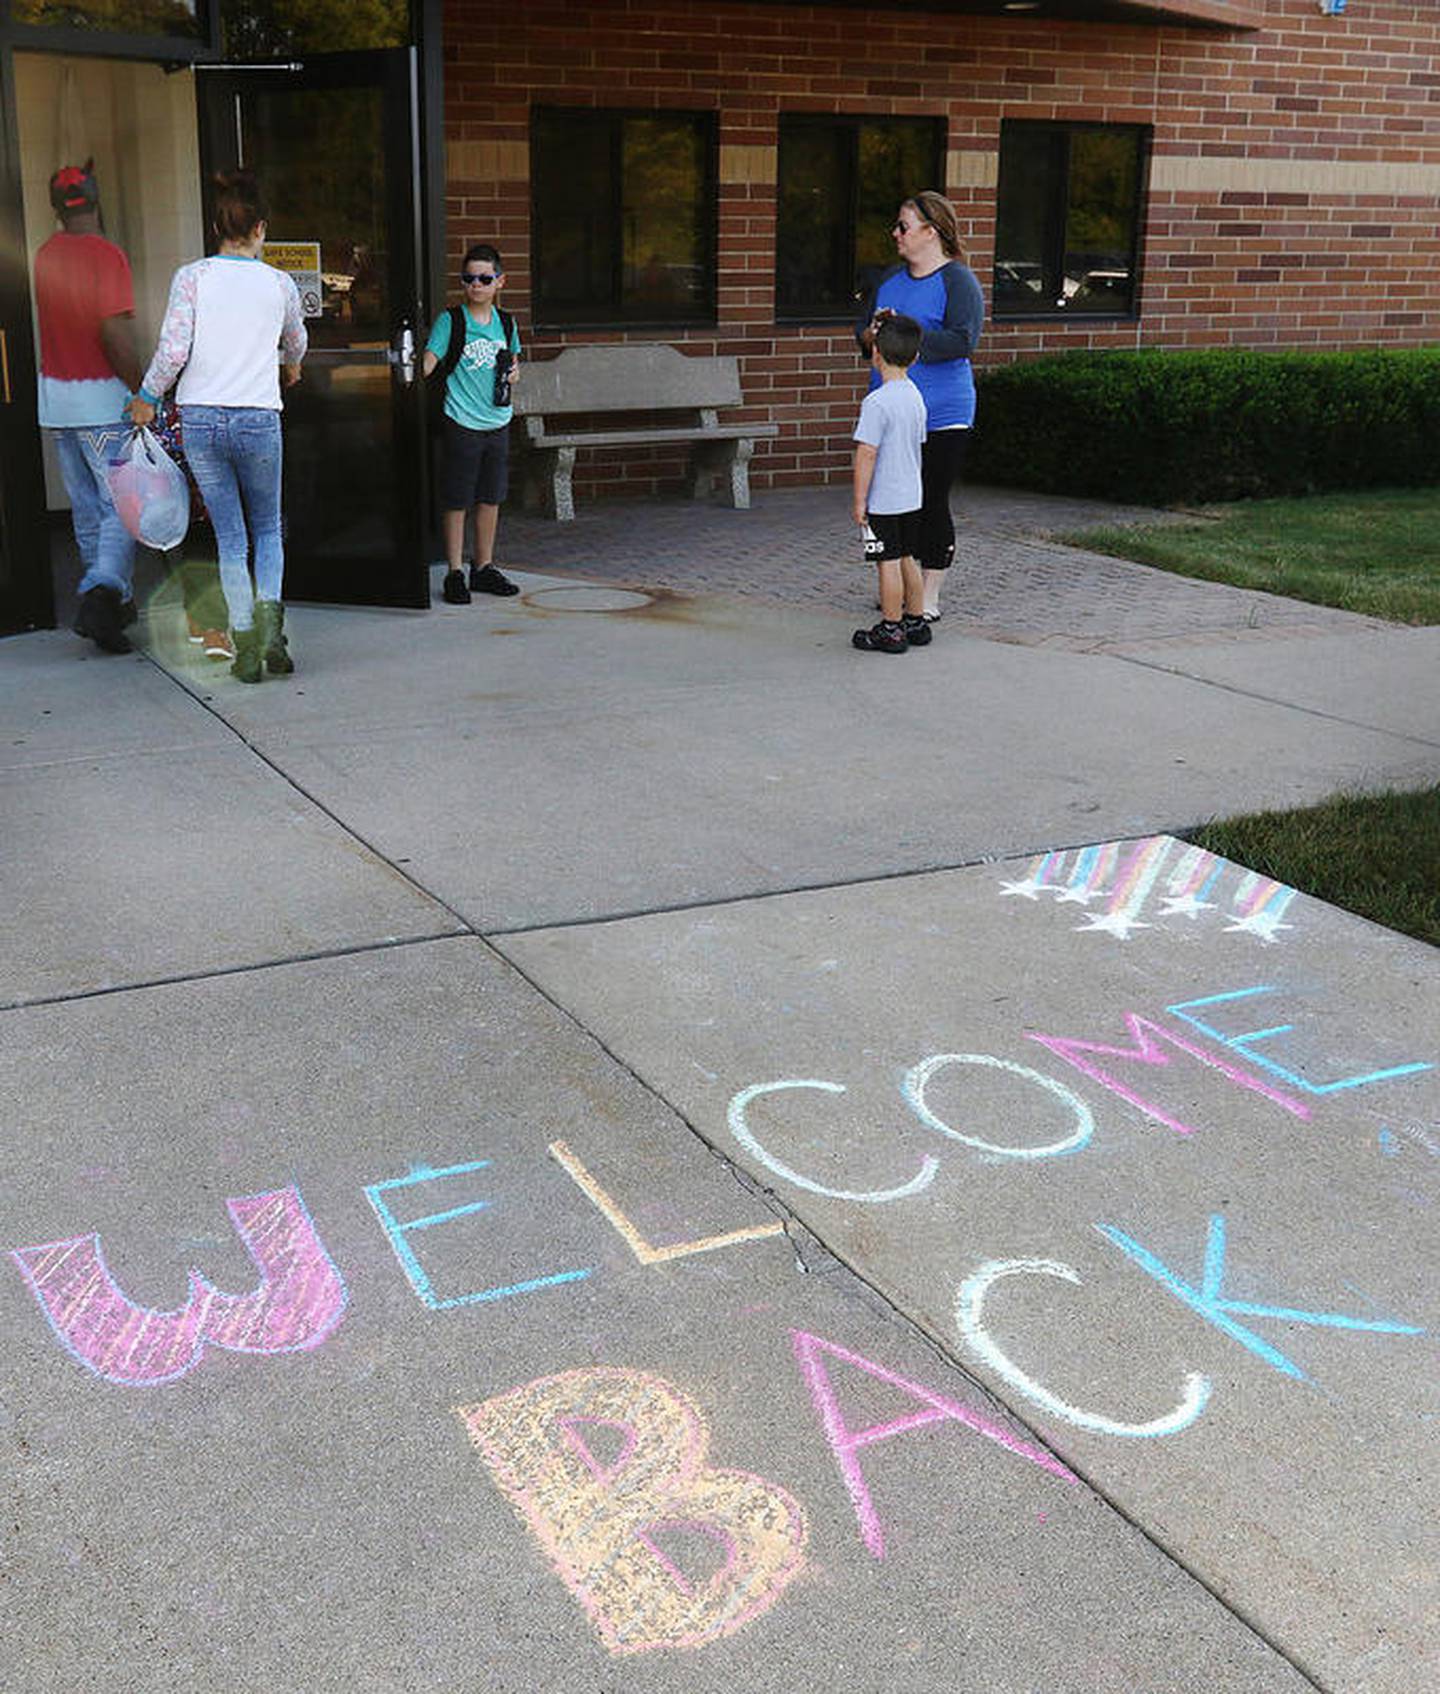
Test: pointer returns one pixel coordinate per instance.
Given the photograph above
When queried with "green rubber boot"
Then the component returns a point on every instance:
(270, 624)
(247, 667)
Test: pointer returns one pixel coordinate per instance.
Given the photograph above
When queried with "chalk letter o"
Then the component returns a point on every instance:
(913, 1088)
(743, 1134)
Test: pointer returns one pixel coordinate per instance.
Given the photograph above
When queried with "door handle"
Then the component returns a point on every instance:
(402, 355)
(4, 368)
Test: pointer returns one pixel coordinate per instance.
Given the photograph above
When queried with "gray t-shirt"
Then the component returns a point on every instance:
(892, 420)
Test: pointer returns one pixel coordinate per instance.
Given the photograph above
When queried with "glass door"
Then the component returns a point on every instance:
(334, 143)
(25, 589)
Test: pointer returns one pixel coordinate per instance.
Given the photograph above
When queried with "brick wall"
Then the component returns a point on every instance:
(1294, 183)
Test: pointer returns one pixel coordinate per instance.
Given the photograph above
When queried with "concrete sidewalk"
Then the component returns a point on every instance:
(765, 1164)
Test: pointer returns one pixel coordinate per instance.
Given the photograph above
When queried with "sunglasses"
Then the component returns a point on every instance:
(479, 279)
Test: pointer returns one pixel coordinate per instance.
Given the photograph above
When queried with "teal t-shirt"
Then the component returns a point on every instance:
(470, 390)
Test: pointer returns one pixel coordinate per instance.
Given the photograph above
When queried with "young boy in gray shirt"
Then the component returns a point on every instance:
(887, 493)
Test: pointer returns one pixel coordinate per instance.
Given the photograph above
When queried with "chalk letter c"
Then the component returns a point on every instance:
(875, 1196)
(969, 1308)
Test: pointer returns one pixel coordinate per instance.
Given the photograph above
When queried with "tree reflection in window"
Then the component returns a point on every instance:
(260, 29)
(110, 17)
(1068, 218)
(623, 216)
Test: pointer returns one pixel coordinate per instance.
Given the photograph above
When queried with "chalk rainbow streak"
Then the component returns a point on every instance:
(1196, 873)
(297, 1303)
(634, 1240)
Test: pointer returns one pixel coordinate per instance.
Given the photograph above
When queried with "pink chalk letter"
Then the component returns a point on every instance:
(846, 1443)
(1150, 1042)
(299, 1299)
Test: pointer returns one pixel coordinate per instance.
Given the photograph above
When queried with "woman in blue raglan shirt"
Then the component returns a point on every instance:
(933, 284)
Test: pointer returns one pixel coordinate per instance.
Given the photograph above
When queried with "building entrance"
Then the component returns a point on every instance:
(335, 143)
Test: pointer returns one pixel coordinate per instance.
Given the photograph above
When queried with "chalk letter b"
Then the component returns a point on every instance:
(606, 1468)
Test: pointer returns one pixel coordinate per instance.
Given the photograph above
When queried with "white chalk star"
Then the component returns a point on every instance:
(1263, 924)
(1185, 906)
(1078, 895)
(1118, 924)
(1030, 889)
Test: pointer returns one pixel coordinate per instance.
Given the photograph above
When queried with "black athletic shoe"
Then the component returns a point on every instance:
(883, 638)
(101, 620)
(917, 632)
(453, 590)
(485, 579)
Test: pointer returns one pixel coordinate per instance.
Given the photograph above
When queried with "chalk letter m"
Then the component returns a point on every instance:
(1150, 1042)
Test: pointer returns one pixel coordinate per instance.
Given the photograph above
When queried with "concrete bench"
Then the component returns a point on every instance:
(633, 378)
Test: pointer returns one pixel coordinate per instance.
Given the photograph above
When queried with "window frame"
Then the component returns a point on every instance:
(1055, 239)
(612, 317)
(850, 123)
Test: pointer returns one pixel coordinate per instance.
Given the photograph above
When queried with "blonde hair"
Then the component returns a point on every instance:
(937, 211)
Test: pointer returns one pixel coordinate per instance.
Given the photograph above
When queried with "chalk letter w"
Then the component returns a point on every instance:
(300, 1298)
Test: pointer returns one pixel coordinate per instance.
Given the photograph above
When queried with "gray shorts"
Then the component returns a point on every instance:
(474, 467)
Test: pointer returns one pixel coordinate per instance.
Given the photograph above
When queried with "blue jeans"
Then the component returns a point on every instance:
(234, 454)
(106, 548)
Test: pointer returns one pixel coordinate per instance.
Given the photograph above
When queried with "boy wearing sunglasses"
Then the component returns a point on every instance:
(475, 347)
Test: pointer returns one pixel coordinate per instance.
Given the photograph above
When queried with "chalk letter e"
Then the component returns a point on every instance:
(603, 1522)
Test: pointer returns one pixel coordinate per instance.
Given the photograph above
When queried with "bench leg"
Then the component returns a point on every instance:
(562, 493)
(547, 482)
(726, 463)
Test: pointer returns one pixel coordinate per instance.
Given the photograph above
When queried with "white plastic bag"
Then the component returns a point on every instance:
(150, 492)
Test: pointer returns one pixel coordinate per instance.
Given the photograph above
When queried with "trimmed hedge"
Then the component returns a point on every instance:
(1160, 427)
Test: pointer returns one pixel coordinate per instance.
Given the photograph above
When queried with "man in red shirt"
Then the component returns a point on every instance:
(85, 304)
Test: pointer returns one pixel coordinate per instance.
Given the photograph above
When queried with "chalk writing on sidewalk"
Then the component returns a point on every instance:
(299, 1300)
(976, 1337)
(845, 1443)
(398, 1234)
(1151, 1045)
(1207, 1300)
(634, 1533)
(638, 1245)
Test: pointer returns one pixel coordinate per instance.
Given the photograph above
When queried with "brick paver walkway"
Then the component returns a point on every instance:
(798, 546)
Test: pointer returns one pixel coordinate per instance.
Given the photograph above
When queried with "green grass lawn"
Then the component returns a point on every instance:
(1376, 854)
(1376, 552)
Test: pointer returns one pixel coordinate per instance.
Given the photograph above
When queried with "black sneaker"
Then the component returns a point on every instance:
(100, 619)
(485, 579)
(883, 638)
(453, 590)
(917, 632)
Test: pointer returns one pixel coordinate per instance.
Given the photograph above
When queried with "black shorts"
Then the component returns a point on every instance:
(898, 533)
(475, 467)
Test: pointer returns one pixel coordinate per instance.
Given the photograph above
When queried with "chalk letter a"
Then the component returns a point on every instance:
(605, 1522)
(935, 1408)
(299, 1299)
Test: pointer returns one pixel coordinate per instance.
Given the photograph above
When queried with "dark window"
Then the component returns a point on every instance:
(623, 217)
(1067, 220)
(841, 181)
